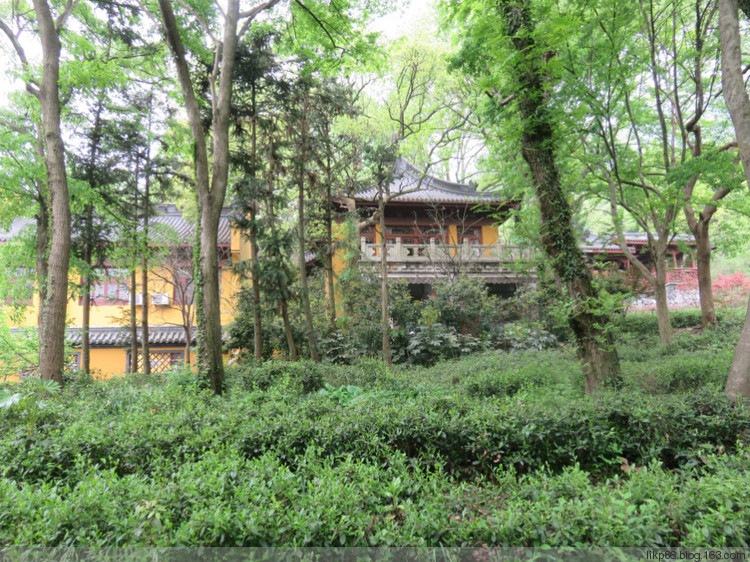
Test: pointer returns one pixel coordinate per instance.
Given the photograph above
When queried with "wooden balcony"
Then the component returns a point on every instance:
(422, 263)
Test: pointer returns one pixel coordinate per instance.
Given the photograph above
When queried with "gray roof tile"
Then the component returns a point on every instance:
(168, 215)
(120, 336)
(428, 189)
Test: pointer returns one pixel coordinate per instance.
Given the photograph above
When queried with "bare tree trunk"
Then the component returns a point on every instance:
(144, 270)
(703, 263)
(253, 236)
(666, 334)
(329, 253)
(288, 330)
(304, 291)
(86, 305)
(385, 323)
(211, 190)
(255, 272)
(52, 345)
(144, 317)
(133, 365)
(738, 104)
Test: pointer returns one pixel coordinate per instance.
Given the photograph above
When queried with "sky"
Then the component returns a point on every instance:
(409, 16)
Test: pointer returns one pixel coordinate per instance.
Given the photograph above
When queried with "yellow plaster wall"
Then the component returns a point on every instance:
(489, 235)
(118, 315)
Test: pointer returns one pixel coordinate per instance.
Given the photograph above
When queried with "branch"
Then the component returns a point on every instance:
(69, 7)
(204, 26)
(31, 85)
(250, 14)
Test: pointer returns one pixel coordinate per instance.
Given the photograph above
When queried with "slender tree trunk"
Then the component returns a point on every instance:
(385, 323)
(211, 184)
(738, 104)
(329, 256)
(288, 329)
(304, 291)
(144, 272)
(255, 272)
(133, 366)
(212, 360)
(86, 297)
(253, 234)
(666, 334)
(595, 344)
(52, 346)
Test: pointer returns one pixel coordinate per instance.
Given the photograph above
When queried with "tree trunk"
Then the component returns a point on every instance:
(738, 104)
(329, 253)
(144, 272)
(385, 323)
(212, 360)
(253, 234)
(86, 297)
(595, 344)
(52, 345)
(288, 330)
(703, 263)
(304, 292)
(133, 365)
(211, 191)
(42, 258)
(255, 272)
(666, 334)
(144, 317)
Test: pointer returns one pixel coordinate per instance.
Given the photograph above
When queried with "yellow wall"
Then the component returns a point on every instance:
(109, 361)
(118, 315)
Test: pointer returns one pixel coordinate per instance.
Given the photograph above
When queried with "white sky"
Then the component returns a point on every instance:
(410, 16)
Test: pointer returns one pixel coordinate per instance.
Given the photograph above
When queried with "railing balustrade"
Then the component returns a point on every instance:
(436, 252)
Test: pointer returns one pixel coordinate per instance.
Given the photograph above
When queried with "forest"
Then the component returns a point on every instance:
(318, 400)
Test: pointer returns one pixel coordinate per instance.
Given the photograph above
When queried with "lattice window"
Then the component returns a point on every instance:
(161, 361)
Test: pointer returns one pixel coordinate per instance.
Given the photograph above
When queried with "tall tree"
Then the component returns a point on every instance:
(524, 85)
(738, 104)
(52, 339)
(211, 184)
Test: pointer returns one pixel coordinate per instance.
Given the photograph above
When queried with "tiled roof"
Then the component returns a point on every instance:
(120, 336)
(424, 188)
(608, 243)
(170, 216)
(176, 227)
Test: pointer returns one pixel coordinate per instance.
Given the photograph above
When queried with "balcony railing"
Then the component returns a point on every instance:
(494, 262)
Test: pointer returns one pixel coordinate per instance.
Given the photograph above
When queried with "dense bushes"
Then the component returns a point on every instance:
(468, 429)
(495, 448)
(223, 499)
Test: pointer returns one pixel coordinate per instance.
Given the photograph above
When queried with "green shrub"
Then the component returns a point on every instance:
(680, 373)
(306, 375)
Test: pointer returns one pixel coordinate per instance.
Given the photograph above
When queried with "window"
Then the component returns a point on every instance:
(161, 361)
(184, 288)
(111, 287)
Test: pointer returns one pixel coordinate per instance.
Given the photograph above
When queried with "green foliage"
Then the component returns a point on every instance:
(494, 448)
(344, 395)
(303, 376)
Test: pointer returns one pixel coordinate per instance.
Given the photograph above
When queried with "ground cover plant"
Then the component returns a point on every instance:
(495, 448)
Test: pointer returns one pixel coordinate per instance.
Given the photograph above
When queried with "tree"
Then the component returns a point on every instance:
(52, 338)
(525, 87)
(641, 78)
(738, 104)
(212, 176)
